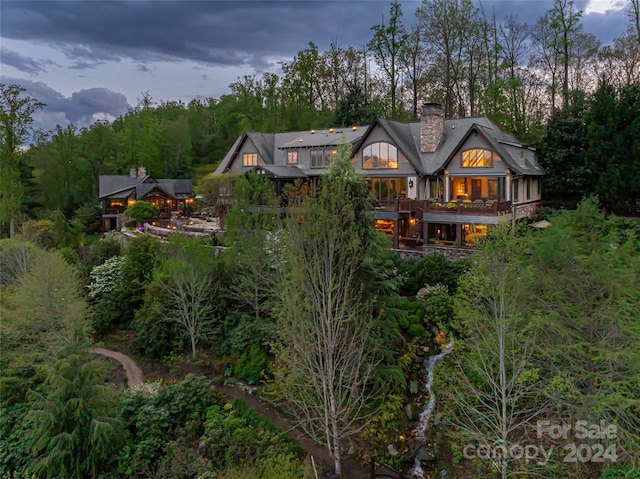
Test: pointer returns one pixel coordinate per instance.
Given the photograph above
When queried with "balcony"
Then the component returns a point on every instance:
(462, 207)
(113, 210)
(468, 207)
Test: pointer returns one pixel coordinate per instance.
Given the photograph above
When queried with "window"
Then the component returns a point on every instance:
(515, 190)
(492, 188)
(477, 158)
(539, 181)
(528, 188)
(380, 155)
(292, 158)
(321, 158)
(250, 159)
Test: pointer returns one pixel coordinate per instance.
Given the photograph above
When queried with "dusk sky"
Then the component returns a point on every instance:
(91, 59)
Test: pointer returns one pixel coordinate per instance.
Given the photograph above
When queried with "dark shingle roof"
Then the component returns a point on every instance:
(123, 186)
(272, 146)
(283, 171)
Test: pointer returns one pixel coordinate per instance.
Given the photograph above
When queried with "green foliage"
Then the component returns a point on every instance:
(429, 270)
(40, 232)
(438, 306)
(16, 115)
(142, 211)
(276, 467)
(75, 432)
(176, 411)
(416, 330)
(235, 434)
(253, 365)
(16, 258)
(88, 217)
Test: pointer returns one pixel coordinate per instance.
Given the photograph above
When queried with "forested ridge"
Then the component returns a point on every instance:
(313, 308)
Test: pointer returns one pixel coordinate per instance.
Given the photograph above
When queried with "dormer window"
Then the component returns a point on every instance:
(478, 158)
(380, 155)
(250, 159)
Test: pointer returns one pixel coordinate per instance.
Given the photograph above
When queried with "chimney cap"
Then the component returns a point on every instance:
(432, 106)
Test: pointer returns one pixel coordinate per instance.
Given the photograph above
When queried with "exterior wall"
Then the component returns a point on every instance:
(454, 167)
(247, 147)
(535, 189)
(378, 134)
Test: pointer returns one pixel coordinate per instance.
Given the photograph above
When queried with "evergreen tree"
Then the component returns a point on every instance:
(76, 434)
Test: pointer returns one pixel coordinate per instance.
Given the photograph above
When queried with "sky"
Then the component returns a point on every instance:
(92, 59)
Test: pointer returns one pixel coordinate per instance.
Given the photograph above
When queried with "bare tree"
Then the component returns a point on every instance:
(386, 45)
(327, 359)
(188, 287)
(496, 389)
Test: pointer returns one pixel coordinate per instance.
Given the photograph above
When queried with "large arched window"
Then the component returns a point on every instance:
(478, 158)
(380, 155)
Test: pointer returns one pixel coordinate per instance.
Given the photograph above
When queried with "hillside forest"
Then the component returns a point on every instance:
(524, 357)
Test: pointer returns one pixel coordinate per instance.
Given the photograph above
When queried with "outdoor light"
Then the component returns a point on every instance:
(410, 183)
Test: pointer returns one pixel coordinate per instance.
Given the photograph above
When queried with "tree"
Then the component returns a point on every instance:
(413, 59)
(565, 20)
(353, 109)
(327, 356)
(561, 154)
(187, 284)
(446, 25)
(496, 388)
(612, 143)
(16, 115)
(387, 44)
(76, 433)
(587, 292)
(142, 211)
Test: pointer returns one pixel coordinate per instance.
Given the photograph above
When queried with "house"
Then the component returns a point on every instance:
(116, 192)
(433, 182)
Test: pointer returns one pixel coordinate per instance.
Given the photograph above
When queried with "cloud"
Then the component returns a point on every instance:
(22, 63)
(221, 33)
(81, 108)
(142, 68)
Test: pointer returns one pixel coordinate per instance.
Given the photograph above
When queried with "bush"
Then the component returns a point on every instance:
(430, 270)
(416, 330)
(235, 434)
(88, 216)
(403, 322)
(252, 366)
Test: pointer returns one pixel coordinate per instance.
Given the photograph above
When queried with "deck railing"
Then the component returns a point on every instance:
(463, 207)
(466, 207)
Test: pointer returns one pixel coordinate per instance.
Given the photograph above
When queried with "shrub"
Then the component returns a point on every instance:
(235, 434)
(416, 330)
(253, 365)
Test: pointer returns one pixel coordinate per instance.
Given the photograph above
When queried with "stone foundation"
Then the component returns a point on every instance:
(450, 252)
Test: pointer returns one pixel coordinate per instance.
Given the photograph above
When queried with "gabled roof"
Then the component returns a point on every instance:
(406, 136)
(400, 133)
(123, 186)
(267, 143)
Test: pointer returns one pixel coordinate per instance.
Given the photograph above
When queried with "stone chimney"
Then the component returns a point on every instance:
(132, 173)
(431, 127)
(142, 172)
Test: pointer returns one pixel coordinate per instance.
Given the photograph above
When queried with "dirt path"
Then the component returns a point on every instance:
(353, 469)
(131, 369)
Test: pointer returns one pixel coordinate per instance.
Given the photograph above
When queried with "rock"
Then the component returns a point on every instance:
(392, 450)
(409, 410)
(427, 453)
